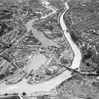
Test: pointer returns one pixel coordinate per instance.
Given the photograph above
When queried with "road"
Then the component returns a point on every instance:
(23, 86)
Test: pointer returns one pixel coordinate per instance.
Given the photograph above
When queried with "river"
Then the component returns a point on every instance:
(23, 86)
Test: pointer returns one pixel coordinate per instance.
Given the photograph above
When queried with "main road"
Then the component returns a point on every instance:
(23, 86)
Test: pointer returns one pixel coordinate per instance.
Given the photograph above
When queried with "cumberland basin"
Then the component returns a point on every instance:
(23, 86)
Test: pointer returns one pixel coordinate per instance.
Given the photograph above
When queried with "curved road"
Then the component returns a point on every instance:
(23, 86)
